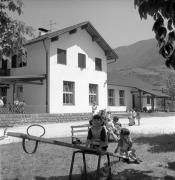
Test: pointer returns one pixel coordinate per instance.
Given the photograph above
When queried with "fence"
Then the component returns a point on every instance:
(22, 109)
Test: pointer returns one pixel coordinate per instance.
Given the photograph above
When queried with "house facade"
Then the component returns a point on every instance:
(65, 72)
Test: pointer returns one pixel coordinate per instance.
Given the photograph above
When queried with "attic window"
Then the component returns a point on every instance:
(73, 31)
(55, 38)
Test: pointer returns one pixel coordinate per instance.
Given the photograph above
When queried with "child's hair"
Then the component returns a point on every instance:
(115, 118)
(96, 116)
(124, 131)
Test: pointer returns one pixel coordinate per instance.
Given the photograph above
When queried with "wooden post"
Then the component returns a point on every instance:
(13, 92)
(152, 103)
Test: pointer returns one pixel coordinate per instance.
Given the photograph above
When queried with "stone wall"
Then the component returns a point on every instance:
(20, 119)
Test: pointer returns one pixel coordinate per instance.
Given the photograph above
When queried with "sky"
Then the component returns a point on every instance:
(117, 21)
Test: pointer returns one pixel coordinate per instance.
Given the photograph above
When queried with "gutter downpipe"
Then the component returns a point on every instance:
(47, 75)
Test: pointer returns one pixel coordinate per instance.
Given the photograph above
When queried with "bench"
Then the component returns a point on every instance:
(78, 130)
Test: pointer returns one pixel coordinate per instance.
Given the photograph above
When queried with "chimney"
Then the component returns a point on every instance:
(42, 31)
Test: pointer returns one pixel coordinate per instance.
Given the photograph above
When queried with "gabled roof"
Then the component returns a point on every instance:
(115, 79)
(109, 52)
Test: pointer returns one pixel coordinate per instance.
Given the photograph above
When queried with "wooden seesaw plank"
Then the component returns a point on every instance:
(60, 143)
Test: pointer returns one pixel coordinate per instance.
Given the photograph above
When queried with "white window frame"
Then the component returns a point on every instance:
(122, 98)
(93, 94)
(68, 93)
(111, 98)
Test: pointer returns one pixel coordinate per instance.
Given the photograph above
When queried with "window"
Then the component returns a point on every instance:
(68, 93)
(93, 93)
(61, 56)
(4, 64)
(19, 61)
(98, 65)
(111, 98)
(121, 97)
(148, 100)
(14, 61)
(81, 60)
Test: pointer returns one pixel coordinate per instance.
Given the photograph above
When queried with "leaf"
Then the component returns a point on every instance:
(161, 32)
(169, 24)
(158, 23)
(12, 32)
(171, 36)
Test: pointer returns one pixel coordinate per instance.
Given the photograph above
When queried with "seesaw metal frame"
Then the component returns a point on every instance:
(81, 149)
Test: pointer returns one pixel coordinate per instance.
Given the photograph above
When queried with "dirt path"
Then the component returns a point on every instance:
(149, 125)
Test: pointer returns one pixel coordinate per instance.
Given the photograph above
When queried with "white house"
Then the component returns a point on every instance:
(125, 93)
(65, 71)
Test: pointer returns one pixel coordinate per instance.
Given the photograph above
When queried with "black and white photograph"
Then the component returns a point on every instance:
(87, 89)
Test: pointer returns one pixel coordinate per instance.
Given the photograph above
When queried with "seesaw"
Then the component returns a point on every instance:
(81, 149)
(59, 143)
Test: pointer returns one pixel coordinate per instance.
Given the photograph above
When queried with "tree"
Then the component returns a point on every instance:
(163, 13)
(12, 32)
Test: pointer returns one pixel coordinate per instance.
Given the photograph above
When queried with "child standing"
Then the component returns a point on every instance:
(97, 136)
(131, 117)
(124, 147)
(138, 117)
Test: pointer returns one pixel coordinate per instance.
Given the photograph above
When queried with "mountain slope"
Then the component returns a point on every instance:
(141, 60)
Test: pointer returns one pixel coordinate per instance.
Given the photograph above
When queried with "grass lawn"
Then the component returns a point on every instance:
(52, 162)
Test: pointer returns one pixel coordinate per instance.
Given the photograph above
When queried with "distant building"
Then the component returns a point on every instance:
(126, 92)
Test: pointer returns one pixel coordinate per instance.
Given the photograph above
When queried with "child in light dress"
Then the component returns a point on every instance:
(124, 147)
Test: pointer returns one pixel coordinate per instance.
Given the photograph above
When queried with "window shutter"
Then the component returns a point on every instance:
(98, 65)
(61, 56)
(81, 60)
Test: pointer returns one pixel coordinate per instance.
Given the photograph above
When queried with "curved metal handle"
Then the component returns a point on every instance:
(44, 131)
(36, 142)
(24, 146)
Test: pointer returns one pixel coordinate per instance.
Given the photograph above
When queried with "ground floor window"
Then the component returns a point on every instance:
(68, 93)
(93, 94)
(111, 97)
(121, 97)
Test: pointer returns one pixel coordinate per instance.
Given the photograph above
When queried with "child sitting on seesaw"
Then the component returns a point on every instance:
(97, 136)
(124, 147)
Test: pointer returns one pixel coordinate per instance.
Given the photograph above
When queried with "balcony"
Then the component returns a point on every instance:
(4, 72)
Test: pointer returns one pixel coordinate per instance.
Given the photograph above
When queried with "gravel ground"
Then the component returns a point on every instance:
(149, 125)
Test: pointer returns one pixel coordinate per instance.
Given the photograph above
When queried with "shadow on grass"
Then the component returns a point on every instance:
(132, 174)
(158, 143)
(169, 178)
(74, 177)
(171, 165)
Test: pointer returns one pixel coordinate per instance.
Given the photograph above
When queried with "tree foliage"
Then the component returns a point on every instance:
(163, 13)
(12, 32)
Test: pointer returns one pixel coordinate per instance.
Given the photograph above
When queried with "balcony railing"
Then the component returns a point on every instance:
(4, 72)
